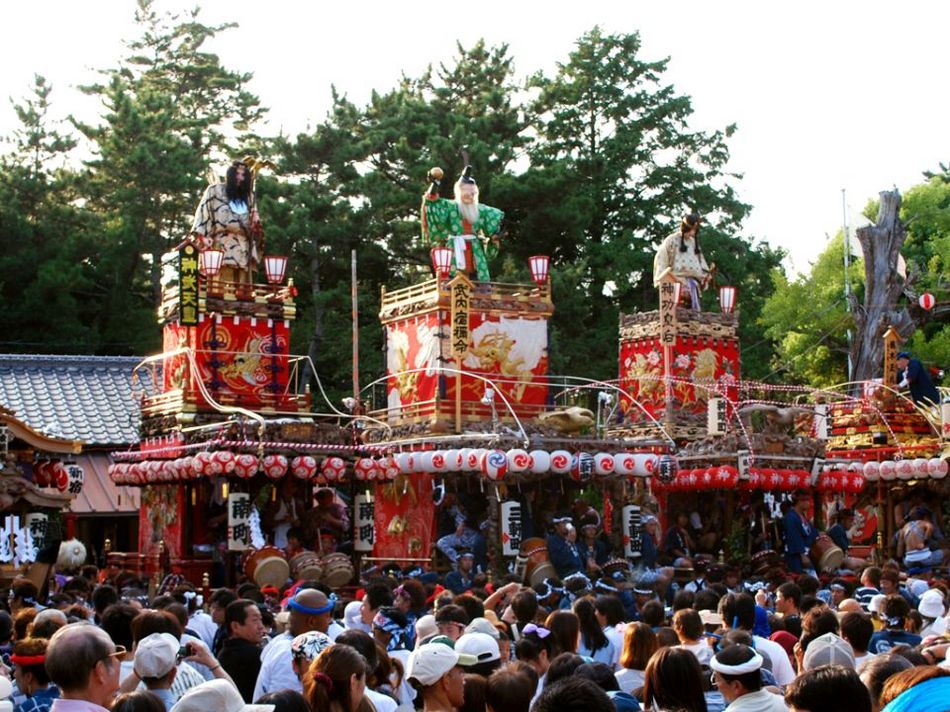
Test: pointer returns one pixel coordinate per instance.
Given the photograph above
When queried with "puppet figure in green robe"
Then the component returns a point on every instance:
(469, 229)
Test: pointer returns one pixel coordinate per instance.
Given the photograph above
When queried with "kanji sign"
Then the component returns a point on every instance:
(891, 340)
(716, 416)
(364, 528)
(76, 479)
(511, 532)
(188, 285)
(460, 291)
(239, 517)
(669, 294)
(632, 519)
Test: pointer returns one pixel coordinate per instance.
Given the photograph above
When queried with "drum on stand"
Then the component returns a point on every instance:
(337, 570)
(826, 556)
(762, 561)
(533, 564)
(266, 566)
(306, 566)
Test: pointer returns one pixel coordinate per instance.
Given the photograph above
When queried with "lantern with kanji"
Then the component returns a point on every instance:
(937, 468)
(582, 466)
(666, 468)
(872, 471)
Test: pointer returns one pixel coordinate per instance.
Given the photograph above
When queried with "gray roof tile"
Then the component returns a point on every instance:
(84, 398)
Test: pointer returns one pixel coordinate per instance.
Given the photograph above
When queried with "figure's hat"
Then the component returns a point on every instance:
(467, 176)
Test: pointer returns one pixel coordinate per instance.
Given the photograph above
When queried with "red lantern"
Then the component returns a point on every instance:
(539, 265)
(275, 266)
(727, 299)
(245, 466)
(274, 466)
(333, 468)
(926, 301)
(41, 473)
(441, 261)
(303, 467)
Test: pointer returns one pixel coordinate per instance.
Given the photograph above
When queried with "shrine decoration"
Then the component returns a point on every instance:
(333, 469)
(518, 460)
(539, 265)
(424, 461)
(222, 462)
(937, 468)
(560, 462)
(582, 466)
(872, 471)
(453, 460)
(540, 461)
(473, 461)
(365, 469)
(926, 301)
(41, 473)
(920, 467)
(604, 464)
(274, 466)
(495, 464)
(666, 468)
(905, 469)
(888, 470)
(388, 469)
(60, 476)
(441, 261)
(211, 261)
(854, 483)
(245, 466)
(645, 464)
(275, 266)
(727, 299)
(406, 462)
(625, 463)
(303, 467)
(440, 461)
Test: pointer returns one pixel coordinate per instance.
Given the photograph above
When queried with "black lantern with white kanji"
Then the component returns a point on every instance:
(666, 468)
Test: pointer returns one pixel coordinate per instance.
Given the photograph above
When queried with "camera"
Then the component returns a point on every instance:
(184, 651)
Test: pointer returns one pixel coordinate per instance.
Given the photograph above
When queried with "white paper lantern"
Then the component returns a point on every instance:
(644, 464)
(424, 461)
(905, 469)
(604, 464)
(475, 458)
(920, 467)
(464, 455)
(518, 460)
(937, 468)
(560, 462)
(624, 463)
(540, 461)
(856, 467)
(453, 460)
(872, 471)
(888, 470)
(495, 464)
(439, 462)
(405, 462)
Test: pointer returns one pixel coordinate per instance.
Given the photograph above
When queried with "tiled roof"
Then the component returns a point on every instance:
(84, 398)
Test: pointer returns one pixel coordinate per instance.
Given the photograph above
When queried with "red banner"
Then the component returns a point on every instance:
(405, 516)
(160, 520)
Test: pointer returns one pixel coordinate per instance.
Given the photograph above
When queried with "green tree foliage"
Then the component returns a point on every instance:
(808, 320)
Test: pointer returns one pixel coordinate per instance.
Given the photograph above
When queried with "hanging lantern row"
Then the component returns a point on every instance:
(722, 477)
(762, 478)
(51, 473)
(889, 470)
(442, 265)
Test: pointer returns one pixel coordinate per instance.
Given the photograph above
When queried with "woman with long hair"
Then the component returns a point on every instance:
(674, 680)
(639, 644)
(336, 681)
(593, 641)
(565, 631)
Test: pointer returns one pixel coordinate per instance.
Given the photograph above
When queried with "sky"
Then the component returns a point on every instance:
(828, 96)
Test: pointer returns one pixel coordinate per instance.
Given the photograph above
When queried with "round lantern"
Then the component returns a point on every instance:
(645, 464)
(926, 301)
(705, 479)
(582, 466)
(464, 455)
(872, 471)
(888, 470)
(540, 461)
(303, 467)
(604, 464)
(388, 469)
(201, 462)
(624, 463)
(937, 468)
(333, 468)
(518, 460)
(473, 459)
(363, 467)
(560, 462)
(666, 468)
(920, 467)
(187, 468)
(41, 473)
(438, 462)
(727, 477)
(274, 466)
(424, 461)
(224, 459)
(60, 476)
(855, 483)
(495, 464)
(905, 469)
(405, 462)
(453, 460)
(174, 470)
(245, 466)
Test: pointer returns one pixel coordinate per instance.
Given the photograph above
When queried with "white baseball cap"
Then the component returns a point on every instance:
(828, 649)
(156, 655)
(482, 625)
(877, 603)
(931, 604)
(429, 663)
(218, 695)
(481, 646)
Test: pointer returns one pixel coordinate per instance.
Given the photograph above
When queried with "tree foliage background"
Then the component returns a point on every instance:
(593, 164)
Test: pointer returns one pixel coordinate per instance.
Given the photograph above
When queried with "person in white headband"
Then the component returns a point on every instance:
(736, 672)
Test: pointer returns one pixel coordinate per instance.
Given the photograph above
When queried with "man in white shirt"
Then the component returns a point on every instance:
(736, 672)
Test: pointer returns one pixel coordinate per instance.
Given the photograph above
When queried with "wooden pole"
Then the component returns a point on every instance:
(355, 317)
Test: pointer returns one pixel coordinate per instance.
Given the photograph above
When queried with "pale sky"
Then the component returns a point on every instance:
(826, 95)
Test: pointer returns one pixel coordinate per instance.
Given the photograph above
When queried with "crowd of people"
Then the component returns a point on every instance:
(411, 639)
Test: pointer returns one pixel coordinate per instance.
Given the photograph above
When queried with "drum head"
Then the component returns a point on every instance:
(831, 559)
(541, 572)
(272, 571)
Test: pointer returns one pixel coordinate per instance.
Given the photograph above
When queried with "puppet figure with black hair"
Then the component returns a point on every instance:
(681, 256)
(471, 230)
(227, 219)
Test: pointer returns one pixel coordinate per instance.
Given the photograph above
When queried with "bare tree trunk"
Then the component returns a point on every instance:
(881, 244)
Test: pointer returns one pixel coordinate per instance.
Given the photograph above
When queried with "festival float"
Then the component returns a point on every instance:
(469, 418)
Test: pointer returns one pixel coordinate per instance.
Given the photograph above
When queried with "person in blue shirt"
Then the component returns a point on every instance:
(839, 532)
(893, 612)
(563, 553)
(914, 376)
(648, 551)
(800, 534)
(593, 551)
(461, 580)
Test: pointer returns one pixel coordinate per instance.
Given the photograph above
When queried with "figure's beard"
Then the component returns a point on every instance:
(469, 211)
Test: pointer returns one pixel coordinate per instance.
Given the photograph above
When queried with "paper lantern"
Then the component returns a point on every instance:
(905, 469)
(224, 460)
(727, 299)
(937, 468)
(274, 466)
(439, 462)
(518, 460)
(201, 462)
(604, 464)
(872, 471)
(855, 483)
(473, 462)
(920, 467)
(304, 467)
(624, 463)
(364, 469)
(495, 464)
(210, 261)
(464, 455)
(560, 462)
(274, 267)
(441, 261)
(540, 461)
(645, 464)
(333, 468)
(405, 462)
(453, 460)
(705, 479)
(245, 466)
(666, 467)
(424, 461)
(41, 473)
(388, 469)
(539, 265)
(60, 476)
(888, 470)
(582, 466)
(926, 301)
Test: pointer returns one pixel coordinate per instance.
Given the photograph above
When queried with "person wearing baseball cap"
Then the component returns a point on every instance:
(484, 648)
(156, 658)
(436, 671)
(828, 649)
(737, 674)
(217, 695)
